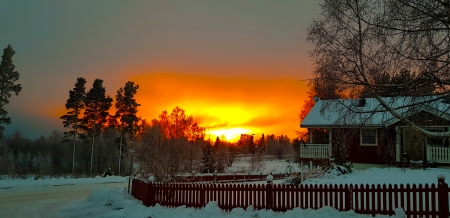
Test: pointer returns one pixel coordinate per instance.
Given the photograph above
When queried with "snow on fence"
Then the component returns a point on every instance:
(416, 200)
(222, 178)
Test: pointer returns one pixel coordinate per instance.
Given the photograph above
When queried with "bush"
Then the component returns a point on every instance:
(294, 180)
(338, 170)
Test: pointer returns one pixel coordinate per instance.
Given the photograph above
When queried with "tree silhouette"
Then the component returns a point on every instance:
(74, 104)
(172, 144)
(125, 118)
(8, 76)
(96, 113)
(209, 165)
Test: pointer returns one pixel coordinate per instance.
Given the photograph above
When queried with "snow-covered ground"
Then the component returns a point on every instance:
(270, 165)
(7, 183)
(112, 200)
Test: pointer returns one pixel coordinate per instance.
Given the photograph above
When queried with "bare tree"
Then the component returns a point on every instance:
(360, 43)
(171, 145)
(151, 152)
(279, 146)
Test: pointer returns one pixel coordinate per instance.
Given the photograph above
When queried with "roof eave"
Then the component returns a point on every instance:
(340, 126)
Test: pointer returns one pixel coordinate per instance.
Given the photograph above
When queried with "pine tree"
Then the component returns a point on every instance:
(74, 104)
(208, 162)
(96, 113)
(7, 78)
(216, 144)
(126, 106)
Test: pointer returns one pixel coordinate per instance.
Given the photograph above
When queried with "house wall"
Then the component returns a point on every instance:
(383, 153)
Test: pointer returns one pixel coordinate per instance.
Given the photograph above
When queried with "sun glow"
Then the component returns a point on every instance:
(231, 134)
(226, 107)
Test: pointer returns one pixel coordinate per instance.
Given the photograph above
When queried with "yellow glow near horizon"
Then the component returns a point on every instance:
(225, 106)
(231, 134)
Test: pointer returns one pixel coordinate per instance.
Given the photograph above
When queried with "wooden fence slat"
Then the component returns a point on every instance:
(283, 197)
(358, 198)
(372, 202)
(316, 196)
(235, 196)
(289, 197)
(269, 197)
(408, 198)
(388, 200)
(335, 202)
(395, 191)
(322, 196)
(384, 199)
(414, 194)
(378, 205)
(402, 197)
(421, 193)
(427, 197)
(254, 195)
(416, 200)
(433, 201)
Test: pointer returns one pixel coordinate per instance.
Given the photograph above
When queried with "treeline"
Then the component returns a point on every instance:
(184, 151)
(50, 156)
(95, 138)
(174, 144)
(170, 145)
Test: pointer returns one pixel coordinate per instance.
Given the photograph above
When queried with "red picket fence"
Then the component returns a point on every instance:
(422, 200)
(221, 178)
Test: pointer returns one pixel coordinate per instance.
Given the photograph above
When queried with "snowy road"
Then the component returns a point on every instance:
(49, 201)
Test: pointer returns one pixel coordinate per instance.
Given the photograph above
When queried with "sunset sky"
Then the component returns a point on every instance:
(236, 66)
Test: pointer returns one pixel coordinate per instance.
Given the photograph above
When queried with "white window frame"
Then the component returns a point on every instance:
(361, 137)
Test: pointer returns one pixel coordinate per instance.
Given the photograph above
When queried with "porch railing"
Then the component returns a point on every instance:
(315, 151)
(438, 154)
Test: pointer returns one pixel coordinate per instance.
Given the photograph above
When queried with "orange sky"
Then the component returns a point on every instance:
(228, 106)
(229, 64)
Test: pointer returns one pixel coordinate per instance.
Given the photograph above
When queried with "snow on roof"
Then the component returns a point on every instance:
(369, 112)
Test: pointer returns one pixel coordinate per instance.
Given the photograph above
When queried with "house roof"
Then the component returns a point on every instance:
(369, 112)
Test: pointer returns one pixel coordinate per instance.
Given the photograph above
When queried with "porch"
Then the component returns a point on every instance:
(420, 147)
(315, 151)
(438, 154)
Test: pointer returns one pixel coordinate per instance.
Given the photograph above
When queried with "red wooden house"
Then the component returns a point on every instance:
(373, 136)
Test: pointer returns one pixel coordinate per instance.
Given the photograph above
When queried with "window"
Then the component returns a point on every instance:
(320, 136)
(369, 137)
(436, 141)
